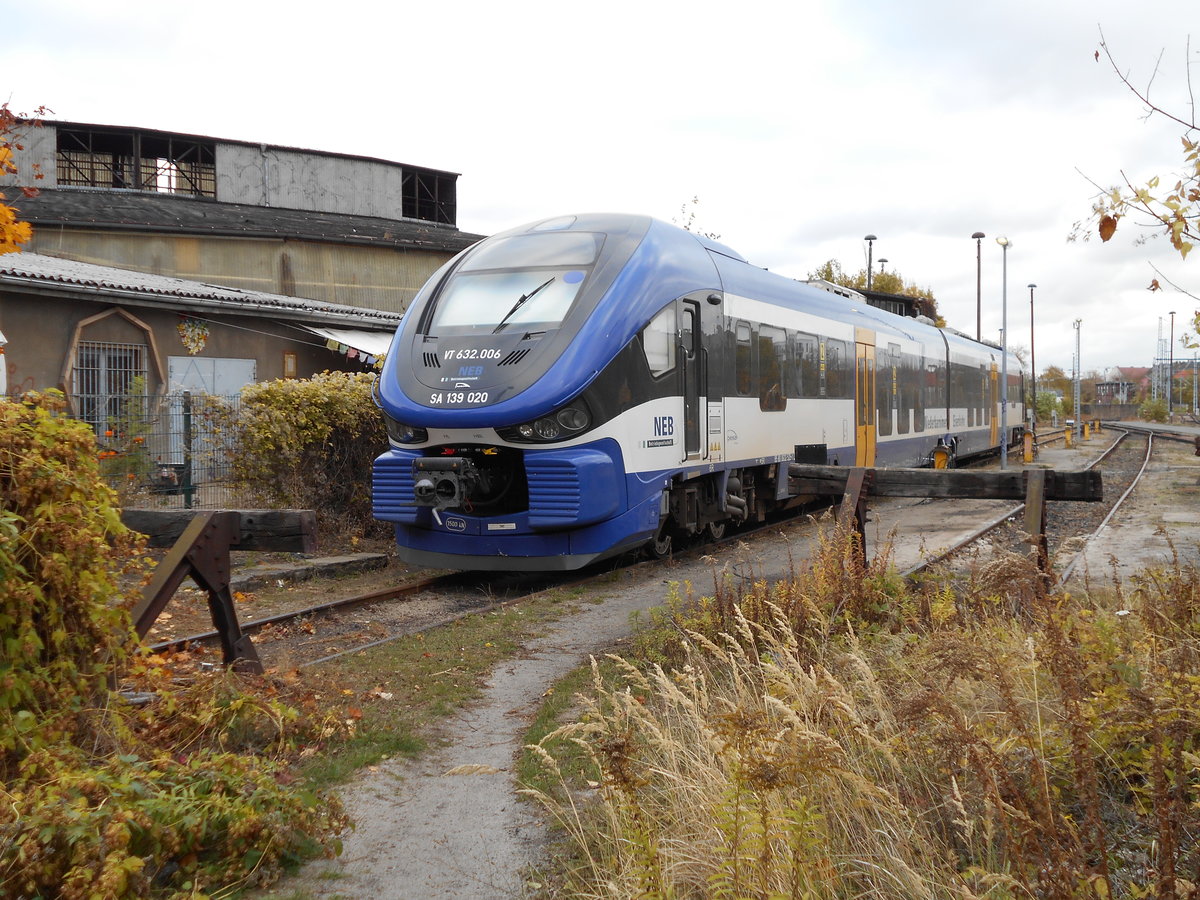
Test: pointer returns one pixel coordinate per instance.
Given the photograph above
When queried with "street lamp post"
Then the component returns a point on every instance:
(882, 262)
(1171, 372)
(979, 236)
(1032, 359)
(1004, 243)
(870, 239)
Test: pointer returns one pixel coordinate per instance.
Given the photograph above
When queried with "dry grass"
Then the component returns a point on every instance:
(843, 735)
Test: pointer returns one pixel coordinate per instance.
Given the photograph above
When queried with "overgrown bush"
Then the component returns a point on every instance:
(1153, 410)
(950, 743)
(310, 444)
(104, 798)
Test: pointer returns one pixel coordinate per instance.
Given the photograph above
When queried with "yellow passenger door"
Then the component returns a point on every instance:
(864, 397)
(994, 405)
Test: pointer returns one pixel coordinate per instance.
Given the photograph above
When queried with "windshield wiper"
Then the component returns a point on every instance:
(520, 302)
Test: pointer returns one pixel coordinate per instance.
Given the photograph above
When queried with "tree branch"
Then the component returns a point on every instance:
(1145, 96)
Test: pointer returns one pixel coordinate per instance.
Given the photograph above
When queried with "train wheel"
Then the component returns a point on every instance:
(663, 543)
(714, 531)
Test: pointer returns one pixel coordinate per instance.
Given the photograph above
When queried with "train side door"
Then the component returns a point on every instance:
(994, 405)
(691, 336)
(703, 409)
(864, 397)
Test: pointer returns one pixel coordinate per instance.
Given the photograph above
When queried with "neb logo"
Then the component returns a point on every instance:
(664, 426)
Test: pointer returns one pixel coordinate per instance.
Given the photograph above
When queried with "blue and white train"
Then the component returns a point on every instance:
(586, 385)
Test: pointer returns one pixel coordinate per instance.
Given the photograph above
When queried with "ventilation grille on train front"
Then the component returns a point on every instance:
(554, 491)
(392, 488)
(431, 360)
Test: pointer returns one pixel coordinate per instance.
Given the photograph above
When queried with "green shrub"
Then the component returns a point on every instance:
(310, 444)
(104, 798)
(1153, 410)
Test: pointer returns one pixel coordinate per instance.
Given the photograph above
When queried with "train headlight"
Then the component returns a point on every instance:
(573, 419)
(399, 433)
(559, 425)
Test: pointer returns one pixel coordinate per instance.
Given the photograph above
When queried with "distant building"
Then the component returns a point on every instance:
(1123, 384)
(201, 263)
(343, 229)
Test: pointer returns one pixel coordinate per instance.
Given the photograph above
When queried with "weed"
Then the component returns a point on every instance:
(844, 734)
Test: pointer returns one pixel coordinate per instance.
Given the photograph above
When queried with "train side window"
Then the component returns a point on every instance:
(659, 342)
(807, 374)
(911, 396)
(885, 389)
(936, 386)
(743, 365)
(901, 399)
(839, 370)
(985, 408)
(772, 350)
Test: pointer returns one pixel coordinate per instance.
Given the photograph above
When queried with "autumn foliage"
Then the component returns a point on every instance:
(843, 733)
(123, 776)
(1170, 209)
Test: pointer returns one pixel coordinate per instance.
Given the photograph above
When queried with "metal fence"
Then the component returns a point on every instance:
(171, 451)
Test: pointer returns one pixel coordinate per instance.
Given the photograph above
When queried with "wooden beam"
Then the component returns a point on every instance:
(284, 530)
(1086, 486)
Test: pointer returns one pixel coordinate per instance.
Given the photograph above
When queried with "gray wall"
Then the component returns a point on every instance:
(40, 146)
(271, 176)
(259, 174)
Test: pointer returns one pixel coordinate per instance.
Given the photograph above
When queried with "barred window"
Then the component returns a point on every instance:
(107, 376)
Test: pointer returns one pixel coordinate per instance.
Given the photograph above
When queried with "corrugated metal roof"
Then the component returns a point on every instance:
(33, 269)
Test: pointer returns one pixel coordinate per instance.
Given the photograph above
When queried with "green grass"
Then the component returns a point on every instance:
(394, 693)
(559, 705)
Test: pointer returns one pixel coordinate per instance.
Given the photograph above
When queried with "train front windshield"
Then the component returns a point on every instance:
(528, 282)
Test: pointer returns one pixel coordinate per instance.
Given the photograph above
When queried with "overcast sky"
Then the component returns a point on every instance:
(801, 126)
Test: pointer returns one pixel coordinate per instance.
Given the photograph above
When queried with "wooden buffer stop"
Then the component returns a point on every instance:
(1035, 486)
(200, 543)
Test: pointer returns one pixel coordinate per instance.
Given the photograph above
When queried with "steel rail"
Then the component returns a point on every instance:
(1069, 570)
(994, 523)
(392, 593)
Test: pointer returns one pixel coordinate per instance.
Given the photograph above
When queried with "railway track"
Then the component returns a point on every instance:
(321, 632)
(375, 617)
(1071, 525)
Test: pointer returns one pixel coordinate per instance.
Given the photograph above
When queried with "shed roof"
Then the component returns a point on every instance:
(37, 272)
(160, 212)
